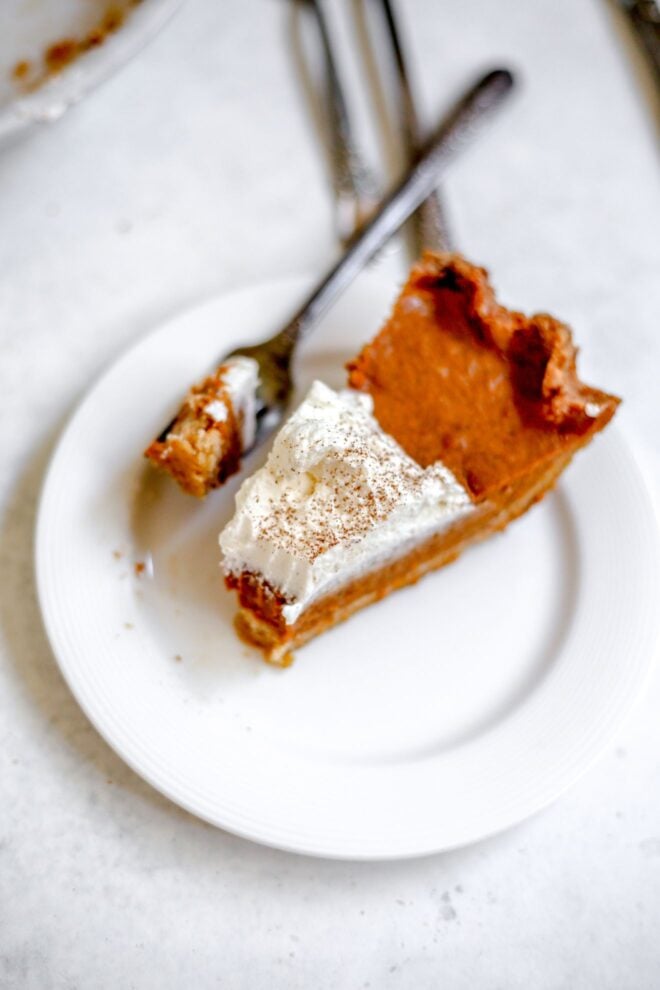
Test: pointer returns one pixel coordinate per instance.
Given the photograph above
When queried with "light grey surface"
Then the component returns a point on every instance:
(194, 171)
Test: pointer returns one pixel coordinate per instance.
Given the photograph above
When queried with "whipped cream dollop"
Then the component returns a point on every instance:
(240, 380)
(336, 498)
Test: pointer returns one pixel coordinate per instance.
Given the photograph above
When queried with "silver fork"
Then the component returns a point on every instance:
(430, 223)
(274, 356)
(356, 189)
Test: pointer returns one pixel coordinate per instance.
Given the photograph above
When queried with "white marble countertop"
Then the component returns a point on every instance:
(194, 170)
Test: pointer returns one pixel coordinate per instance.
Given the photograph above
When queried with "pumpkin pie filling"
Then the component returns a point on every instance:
(459, 416)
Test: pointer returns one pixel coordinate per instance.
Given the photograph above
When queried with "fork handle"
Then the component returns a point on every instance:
(355, 187)
(429, 222)
(420, 180)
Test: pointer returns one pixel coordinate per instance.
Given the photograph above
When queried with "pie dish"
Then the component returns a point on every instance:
(52, 54)
(459, 416)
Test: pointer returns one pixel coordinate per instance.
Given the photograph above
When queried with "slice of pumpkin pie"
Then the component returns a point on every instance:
(459, 416)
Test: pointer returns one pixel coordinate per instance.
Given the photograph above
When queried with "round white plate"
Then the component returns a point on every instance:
(449, 711)
(29, 27)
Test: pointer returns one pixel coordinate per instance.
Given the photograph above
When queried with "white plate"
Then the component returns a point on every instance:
(447, 712)
(29, 27)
